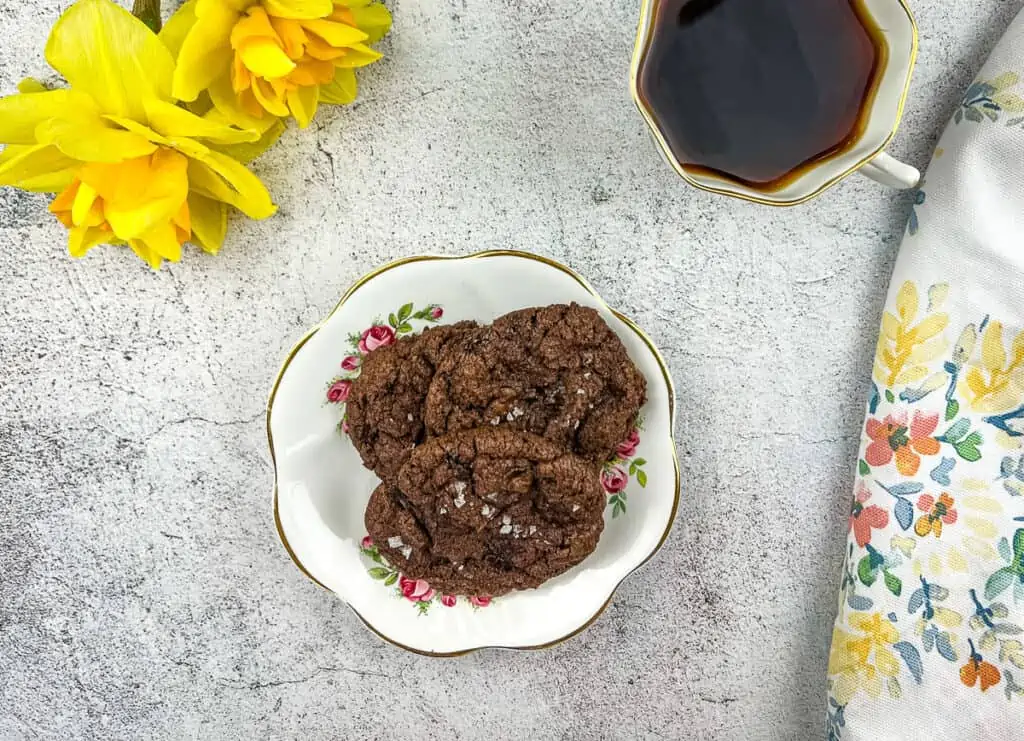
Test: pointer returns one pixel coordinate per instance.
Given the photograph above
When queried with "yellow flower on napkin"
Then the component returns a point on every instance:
(128, 164)
(259, 60)
(995, 381)
(851, 665)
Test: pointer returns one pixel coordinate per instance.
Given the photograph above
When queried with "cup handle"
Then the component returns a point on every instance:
(890, 171)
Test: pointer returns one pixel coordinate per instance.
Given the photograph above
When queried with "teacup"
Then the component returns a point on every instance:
(880, 113)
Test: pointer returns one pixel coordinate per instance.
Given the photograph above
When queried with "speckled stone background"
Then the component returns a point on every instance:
(143, 593)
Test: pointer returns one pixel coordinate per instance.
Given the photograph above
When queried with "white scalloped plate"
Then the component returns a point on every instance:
(321, 487)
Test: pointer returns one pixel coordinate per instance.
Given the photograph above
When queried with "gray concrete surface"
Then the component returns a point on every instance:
(143, 593)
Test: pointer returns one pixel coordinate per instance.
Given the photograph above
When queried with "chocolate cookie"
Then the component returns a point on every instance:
(487, 511)
(385, 403)
(557, 371)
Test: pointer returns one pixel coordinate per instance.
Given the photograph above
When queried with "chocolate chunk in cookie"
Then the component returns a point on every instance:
(385, 404)
(487, 511)
(557, 371)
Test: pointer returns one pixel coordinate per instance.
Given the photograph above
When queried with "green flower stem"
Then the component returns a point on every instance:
(148, 11)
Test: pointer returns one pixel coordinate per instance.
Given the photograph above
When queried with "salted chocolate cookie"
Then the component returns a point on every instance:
(558, 371)
(487, 511)
(385, 403)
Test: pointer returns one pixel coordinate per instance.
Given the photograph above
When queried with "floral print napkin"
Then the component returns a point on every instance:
(929, 639)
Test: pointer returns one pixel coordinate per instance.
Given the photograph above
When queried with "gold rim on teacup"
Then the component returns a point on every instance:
(899, 28)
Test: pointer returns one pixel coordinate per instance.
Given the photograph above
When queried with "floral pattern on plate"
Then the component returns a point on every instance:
(377, 335)
(417, 591)
(625, 464)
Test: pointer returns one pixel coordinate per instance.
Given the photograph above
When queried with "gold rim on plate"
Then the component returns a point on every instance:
(644, 34)
(479, 255)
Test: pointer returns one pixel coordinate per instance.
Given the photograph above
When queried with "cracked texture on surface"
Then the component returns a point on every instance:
(143, 593)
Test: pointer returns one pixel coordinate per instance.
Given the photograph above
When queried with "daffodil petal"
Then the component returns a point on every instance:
(342, 89)
(81, 239)
(21, 114)
(265, 58)
(82, 208)
(226, 104)
(299, 8)
(31, 85)
(139, 219)
(136, 128)
(255, 24)
(218, 176)
(93, 140)
(172, 121)
(291, 34)
(249, 152)
(312, 72)
(358, 55)
(302, 103)
(178, 26)
(317, 48)
(163, 240)
(374, 19)
(335, 34)
(109, 54)
(206, 50)
(42, 169)
(62, 204)
(146, 253)
(209, 222)
(140, 194)
(267, 99)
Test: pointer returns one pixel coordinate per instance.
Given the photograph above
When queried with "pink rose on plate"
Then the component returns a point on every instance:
(344, 426)
(436, 312)
(351, 363)
(448, 600)
(480, 601)
(415, 590)
(338, 392)
(614, 479)
(374, 337)
(627, 448)
(367, 542)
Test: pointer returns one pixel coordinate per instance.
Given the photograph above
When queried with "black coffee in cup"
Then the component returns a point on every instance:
(757, 90)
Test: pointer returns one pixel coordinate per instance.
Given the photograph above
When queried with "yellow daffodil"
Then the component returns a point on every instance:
(260, 60)
(129, 166)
